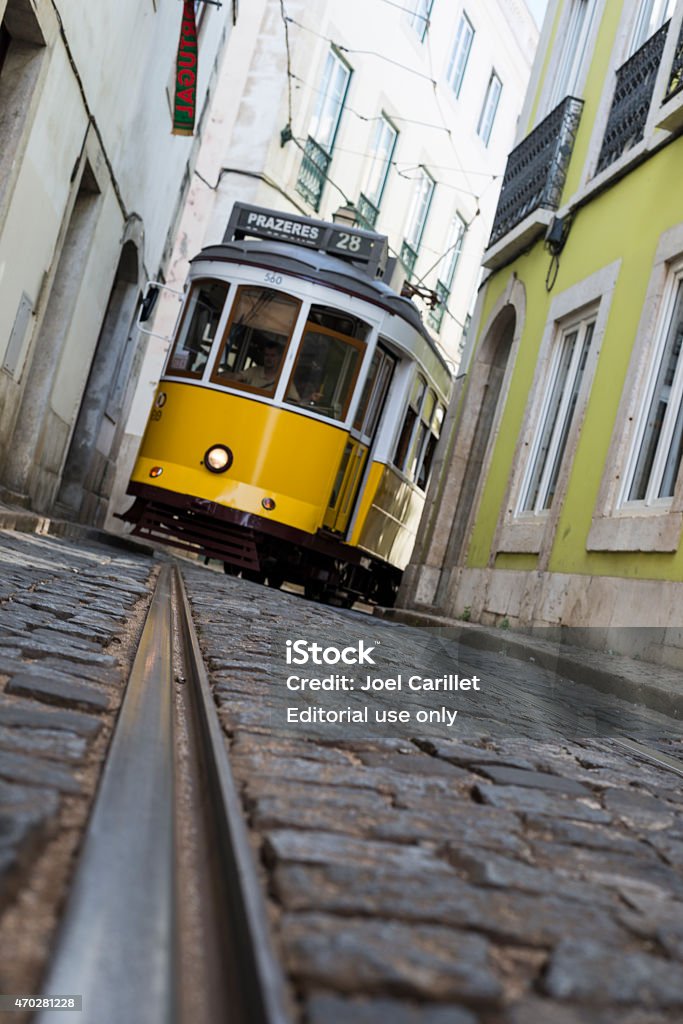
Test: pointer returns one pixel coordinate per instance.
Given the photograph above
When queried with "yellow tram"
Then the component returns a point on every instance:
(295, 423)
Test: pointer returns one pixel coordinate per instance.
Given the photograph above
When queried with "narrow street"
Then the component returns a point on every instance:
(517, 865)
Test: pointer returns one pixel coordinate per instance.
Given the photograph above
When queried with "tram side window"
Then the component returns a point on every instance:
(427, 454)
(329, 359)
(374, 392)
(198, 328)
(419, 434)
(259, 333)
(404, 446)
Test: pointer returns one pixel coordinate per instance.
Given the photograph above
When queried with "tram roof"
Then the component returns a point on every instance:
(323, 269)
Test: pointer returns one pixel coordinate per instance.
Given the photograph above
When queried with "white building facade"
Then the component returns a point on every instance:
(91, 186)
(403, 113)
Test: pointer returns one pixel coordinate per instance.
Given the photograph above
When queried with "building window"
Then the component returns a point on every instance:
(574, 46)
(561, 394)
(488, 111)
(418, 211)
(418, 16)
(446, 270)
(383, 146)
(322, 129)
(460, 54)
(656, 460)
(652, 14)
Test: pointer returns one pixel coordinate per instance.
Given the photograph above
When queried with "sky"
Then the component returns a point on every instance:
(537, 8)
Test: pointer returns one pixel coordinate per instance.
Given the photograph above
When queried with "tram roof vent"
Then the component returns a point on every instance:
(366, 250)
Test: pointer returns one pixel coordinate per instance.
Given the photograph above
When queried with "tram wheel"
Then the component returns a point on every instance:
(314, 590)
(253, 575)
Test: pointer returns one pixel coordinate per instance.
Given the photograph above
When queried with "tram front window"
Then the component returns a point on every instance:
(260, 330)
(198, 328)
(326, 369)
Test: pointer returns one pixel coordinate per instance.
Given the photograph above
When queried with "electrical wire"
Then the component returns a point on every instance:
(366, 53)
(407, 10)
(285, 23)
(291, 76)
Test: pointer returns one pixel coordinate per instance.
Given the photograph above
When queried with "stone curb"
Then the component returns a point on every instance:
(22, 521)
(646, 684)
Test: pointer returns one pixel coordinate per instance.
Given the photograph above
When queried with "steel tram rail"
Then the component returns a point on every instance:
(165, 921)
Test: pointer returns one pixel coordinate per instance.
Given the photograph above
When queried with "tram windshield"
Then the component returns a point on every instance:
(256, 342)
(198, 328)
(328, 362)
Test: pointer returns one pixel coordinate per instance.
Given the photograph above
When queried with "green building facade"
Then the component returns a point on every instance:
(558, 499)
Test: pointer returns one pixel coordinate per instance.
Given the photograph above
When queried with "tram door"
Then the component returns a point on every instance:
(355, 457)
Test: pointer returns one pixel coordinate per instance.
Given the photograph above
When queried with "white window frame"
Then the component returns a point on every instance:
(383, 147)
(535, 534)
(562, 412)
(418, 211)
(652, 14)
(490, 107)
(673, 298)
(460, 54)
(574, 37)
(329, 97)
(451, 257)
(419, 17)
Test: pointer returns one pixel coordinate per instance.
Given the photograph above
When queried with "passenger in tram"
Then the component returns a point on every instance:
(264, 376)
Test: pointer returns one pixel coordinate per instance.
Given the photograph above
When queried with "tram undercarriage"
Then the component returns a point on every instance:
(262, 551)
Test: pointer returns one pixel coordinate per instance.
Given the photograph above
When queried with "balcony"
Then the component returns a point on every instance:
(436, 315)
(313, 173)
(632, 99)
(408, 258)
(534, 179)
(672, 104)
(367, 212)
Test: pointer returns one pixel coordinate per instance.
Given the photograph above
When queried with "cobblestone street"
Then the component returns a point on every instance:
(520, 867)
(513, 881)
(69, 619)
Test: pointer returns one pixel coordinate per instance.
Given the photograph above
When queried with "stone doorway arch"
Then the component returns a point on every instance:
(489, 379)
(88, 469)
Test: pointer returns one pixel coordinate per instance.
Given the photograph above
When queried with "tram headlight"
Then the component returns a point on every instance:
(218, 458)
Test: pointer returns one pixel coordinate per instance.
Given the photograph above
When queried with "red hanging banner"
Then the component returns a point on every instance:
(186, 74)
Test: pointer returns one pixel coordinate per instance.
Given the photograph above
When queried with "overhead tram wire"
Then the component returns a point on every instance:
(441, 113)
(401, 174)
(366, 53)
(287, 20)
(407, 10)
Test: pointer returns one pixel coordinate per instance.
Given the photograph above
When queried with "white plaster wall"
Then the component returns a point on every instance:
(108, 65)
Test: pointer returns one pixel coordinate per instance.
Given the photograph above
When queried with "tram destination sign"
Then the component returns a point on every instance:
(359, 247)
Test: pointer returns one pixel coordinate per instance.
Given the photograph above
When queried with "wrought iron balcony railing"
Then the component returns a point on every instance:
(313, 173)
(408, 258)
(436, 315)
(675, 83)
(367, 212)
(632, 98)
(537, 169)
